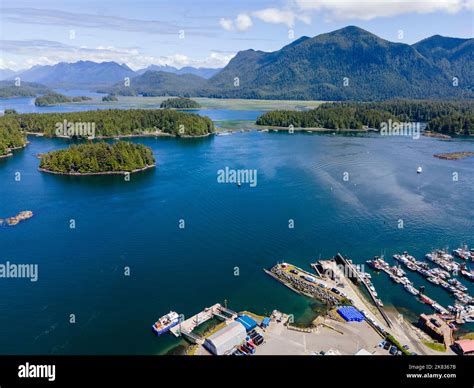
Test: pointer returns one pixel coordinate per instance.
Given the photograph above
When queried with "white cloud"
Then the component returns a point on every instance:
(278, 16)
(241, 23)
(371, 9)
(43, 52)
(226, 24)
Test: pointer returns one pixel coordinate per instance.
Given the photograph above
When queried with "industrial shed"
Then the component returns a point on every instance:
(226, 338)
(247, 322)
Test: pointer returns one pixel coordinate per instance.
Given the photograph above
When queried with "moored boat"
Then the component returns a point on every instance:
(166, 322)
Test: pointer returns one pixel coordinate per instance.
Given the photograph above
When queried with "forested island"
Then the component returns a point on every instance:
(440, 116)
(109, 98)
(98, 159)
(180, 103)
(11, 136)
(115, 122)
(57, 98)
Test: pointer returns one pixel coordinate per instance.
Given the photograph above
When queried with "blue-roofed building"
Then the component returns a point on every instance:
(266, 322)
(350, 314)
(249, 323)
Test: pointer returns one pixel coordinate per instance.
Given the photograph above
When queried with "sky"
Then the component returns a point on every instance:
(204, 33)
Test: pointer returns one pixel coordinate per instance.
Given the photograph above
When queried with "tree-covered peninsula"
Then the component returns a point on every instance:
(11, 136)
(441, 116)
(116, 122)
(57, 98)
(10, 89)
(98, 159)
(179, 103)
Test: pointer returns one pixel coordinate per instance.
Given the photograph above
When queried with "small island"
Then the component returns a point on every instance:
(57, 98)
(109, 98)
(98, 159)
(13, 221)
(454, 155)
(179, 103)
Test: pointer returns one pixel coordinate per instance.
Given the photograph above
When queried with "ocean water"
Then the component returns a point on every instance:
(228, 230)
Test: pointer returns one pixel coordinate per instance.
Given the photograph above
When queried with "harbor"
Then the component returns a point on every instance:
(355, 320)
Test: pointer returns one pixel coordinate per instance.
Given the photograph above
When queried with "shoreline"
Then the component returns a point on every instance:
(14, 149)
(128, 136)
(97, 173)
(454, 155)
(268, 128)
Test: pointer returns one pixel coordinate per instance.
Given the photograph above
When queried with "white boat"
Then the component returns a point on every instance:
(166, 322)
(419, 170)
(412, 290)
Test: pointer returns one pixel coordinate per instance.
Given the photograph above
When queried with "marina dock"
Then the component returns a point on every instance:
(185, 328)
(356, 277)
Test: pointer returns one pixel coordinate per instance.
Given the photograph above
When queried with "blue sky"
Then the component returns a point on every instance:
(204, 33)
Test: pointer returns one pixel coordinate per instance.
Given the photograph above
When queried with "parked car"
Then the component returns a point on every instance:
(387, 345)
(393, 350)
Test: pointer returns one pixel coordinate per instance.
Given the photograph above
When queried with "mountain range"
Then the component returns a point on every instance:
(92, 75)
(346, 64)
(204, 72)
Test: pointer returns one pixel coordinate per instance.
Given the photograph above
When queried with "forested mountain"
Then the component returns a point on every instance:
(347, 64)
(455, 56)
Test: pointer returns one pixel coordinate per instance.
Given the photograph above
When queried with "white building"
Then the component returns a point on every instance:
(226, 338)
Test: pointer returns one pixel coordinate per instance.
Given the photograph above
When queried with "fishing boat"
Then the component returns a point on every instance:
(166, 322)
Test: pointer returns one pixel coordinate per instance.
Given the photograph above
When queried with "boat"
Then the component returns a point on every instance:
(411, 266)
(166, 322)
(374, 264)
(419, 170)
(433, 280)
(412, 290)
(426, 300)
(462, 253)
(468, 275)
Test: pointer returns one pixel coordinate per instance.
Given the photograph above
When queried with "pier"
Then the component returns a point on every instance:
(186, 327)
(356, 278)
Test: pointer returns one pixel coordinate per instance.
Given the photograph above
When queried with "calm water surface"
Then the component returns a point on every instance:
(135, 224)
